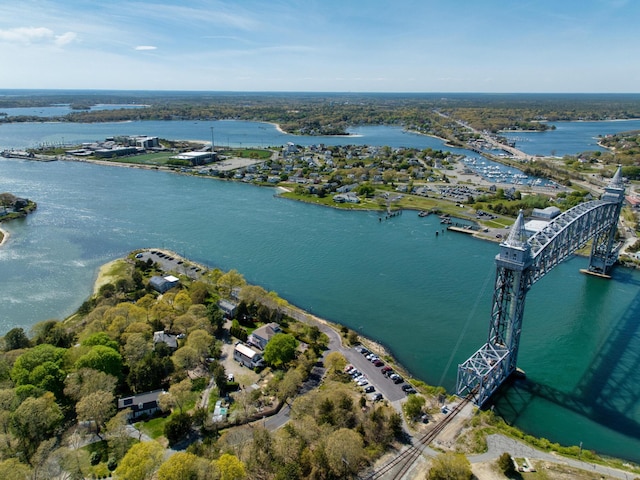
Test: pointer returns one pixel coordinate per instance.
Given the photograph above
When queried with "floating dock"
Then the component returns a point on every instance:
(595, 274)
(469, 230)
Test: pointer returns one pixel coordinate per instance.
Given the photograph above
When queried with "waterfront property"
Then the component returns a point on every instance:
(261, 336)
(162, 284)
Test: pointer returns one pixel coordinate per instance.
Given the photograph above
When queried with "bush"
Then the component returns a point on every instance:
(505, 464)
(95, 458)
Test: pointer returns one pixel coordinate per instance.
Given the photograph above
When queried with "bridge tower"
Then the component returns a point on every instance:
(522, 261)
(513, 267)
(603, 253)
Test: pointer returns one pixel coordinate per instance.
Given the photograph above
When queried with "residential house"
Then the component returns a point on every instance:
(261, 336)
(247, 356)
(143, 404)
(163, 337)
(229, 308)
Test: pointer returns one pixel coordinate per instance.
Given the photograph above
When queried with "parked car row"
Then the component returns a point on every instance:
(385, 370)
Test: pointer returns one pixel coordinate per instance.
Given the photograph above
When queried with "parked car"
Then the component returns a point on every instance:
(406, 387)
(369, 389)
(385, 369)
(376, 397)
(410, 391)
(397, 380)
(393, 376)
(365, 351)
(378, 363)
(362, 382)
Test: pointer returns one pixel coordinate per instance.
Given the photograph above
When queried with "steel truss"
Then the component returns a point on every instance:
(523, 261)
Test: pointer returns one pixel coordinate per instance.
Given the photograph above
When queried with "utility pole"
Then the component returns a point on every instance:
(212, 143)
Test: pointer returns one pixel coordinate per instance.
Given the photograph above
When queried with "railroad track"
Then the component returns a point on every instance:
(398, 466)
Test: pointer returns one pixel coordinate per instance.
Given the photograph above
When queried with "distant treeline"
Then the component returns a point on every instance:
(333, 113)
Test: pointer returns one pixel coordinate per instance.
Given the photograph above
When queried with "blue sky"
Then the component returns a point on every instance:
(322, 45)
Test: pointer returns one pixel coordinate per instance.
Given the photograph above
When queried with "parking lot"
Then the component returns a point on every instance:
(376, 375)
(170, 262)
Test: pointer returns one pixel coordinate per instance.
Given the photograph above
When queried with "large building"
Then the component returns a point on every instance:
(195, 158)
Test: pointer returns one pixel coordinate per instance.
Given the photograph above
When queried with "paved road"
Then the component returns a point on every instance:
(498, 444)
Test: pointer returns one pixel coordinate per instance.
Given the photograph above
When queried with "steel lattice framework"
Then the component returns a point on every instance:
(522, 261)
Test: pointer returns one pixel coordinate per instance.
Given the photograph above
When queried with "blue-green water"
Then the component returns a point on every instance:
(427, 298)
(569, 138)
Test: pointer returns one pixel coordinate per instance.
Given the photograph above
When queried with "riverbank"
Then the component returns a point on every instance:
(108, 273)
(4, 236)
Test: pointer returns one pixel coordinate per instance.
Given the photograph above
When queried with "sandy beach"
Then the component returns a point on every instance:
(5, 236)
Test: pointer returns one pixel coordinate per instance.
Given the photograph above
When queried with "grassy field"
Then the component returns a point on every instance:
(160, 158)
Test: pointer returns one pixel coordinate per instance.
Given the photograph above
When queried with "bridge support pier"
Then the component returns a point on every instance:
(521, 262)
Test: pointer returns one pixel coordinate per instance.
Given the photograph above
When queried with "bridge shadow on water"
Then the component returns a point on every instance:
(608, 392)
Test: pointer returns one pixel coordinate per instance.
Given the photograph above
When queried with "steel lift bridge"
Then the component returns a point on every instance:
(522, 261)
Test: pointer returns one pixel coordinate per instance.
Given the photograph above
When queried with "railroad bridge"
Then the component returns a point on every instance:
(522, 261)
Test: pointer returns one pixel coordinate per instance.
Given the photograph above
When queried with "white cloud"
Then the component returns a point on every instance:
(65, 39)
(145, 47)
(32, 35)
(26, 34)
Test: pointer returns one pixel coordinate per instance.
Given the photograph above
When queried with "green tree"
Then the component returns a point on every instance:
(15, 339)
(52, 332)
(140, 462)
(229, 281)
(179, 395)
(450, 466)
(186, 358)
(345, 452)
(177, 428)
(14, 469)
(289, 384)
(35, 420)
(97, 407)
(201, 342)
(506, 466)
(335, 362)
(413, 406)
(99, 338)
(102, 358)
(230, 467)
(118, 437)
(183, 466)
(280, 350)
(25, 364)
(85, 381)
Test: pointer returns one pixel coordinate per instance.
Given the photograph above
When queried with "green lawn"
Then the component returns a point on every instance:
(154, 427)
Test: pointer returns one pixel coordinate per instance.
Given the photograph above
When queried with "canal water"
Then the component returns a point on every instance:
(426, 297)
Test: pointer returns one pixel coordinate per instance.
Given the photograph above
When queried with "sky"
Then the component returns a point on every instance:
(495, 46)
